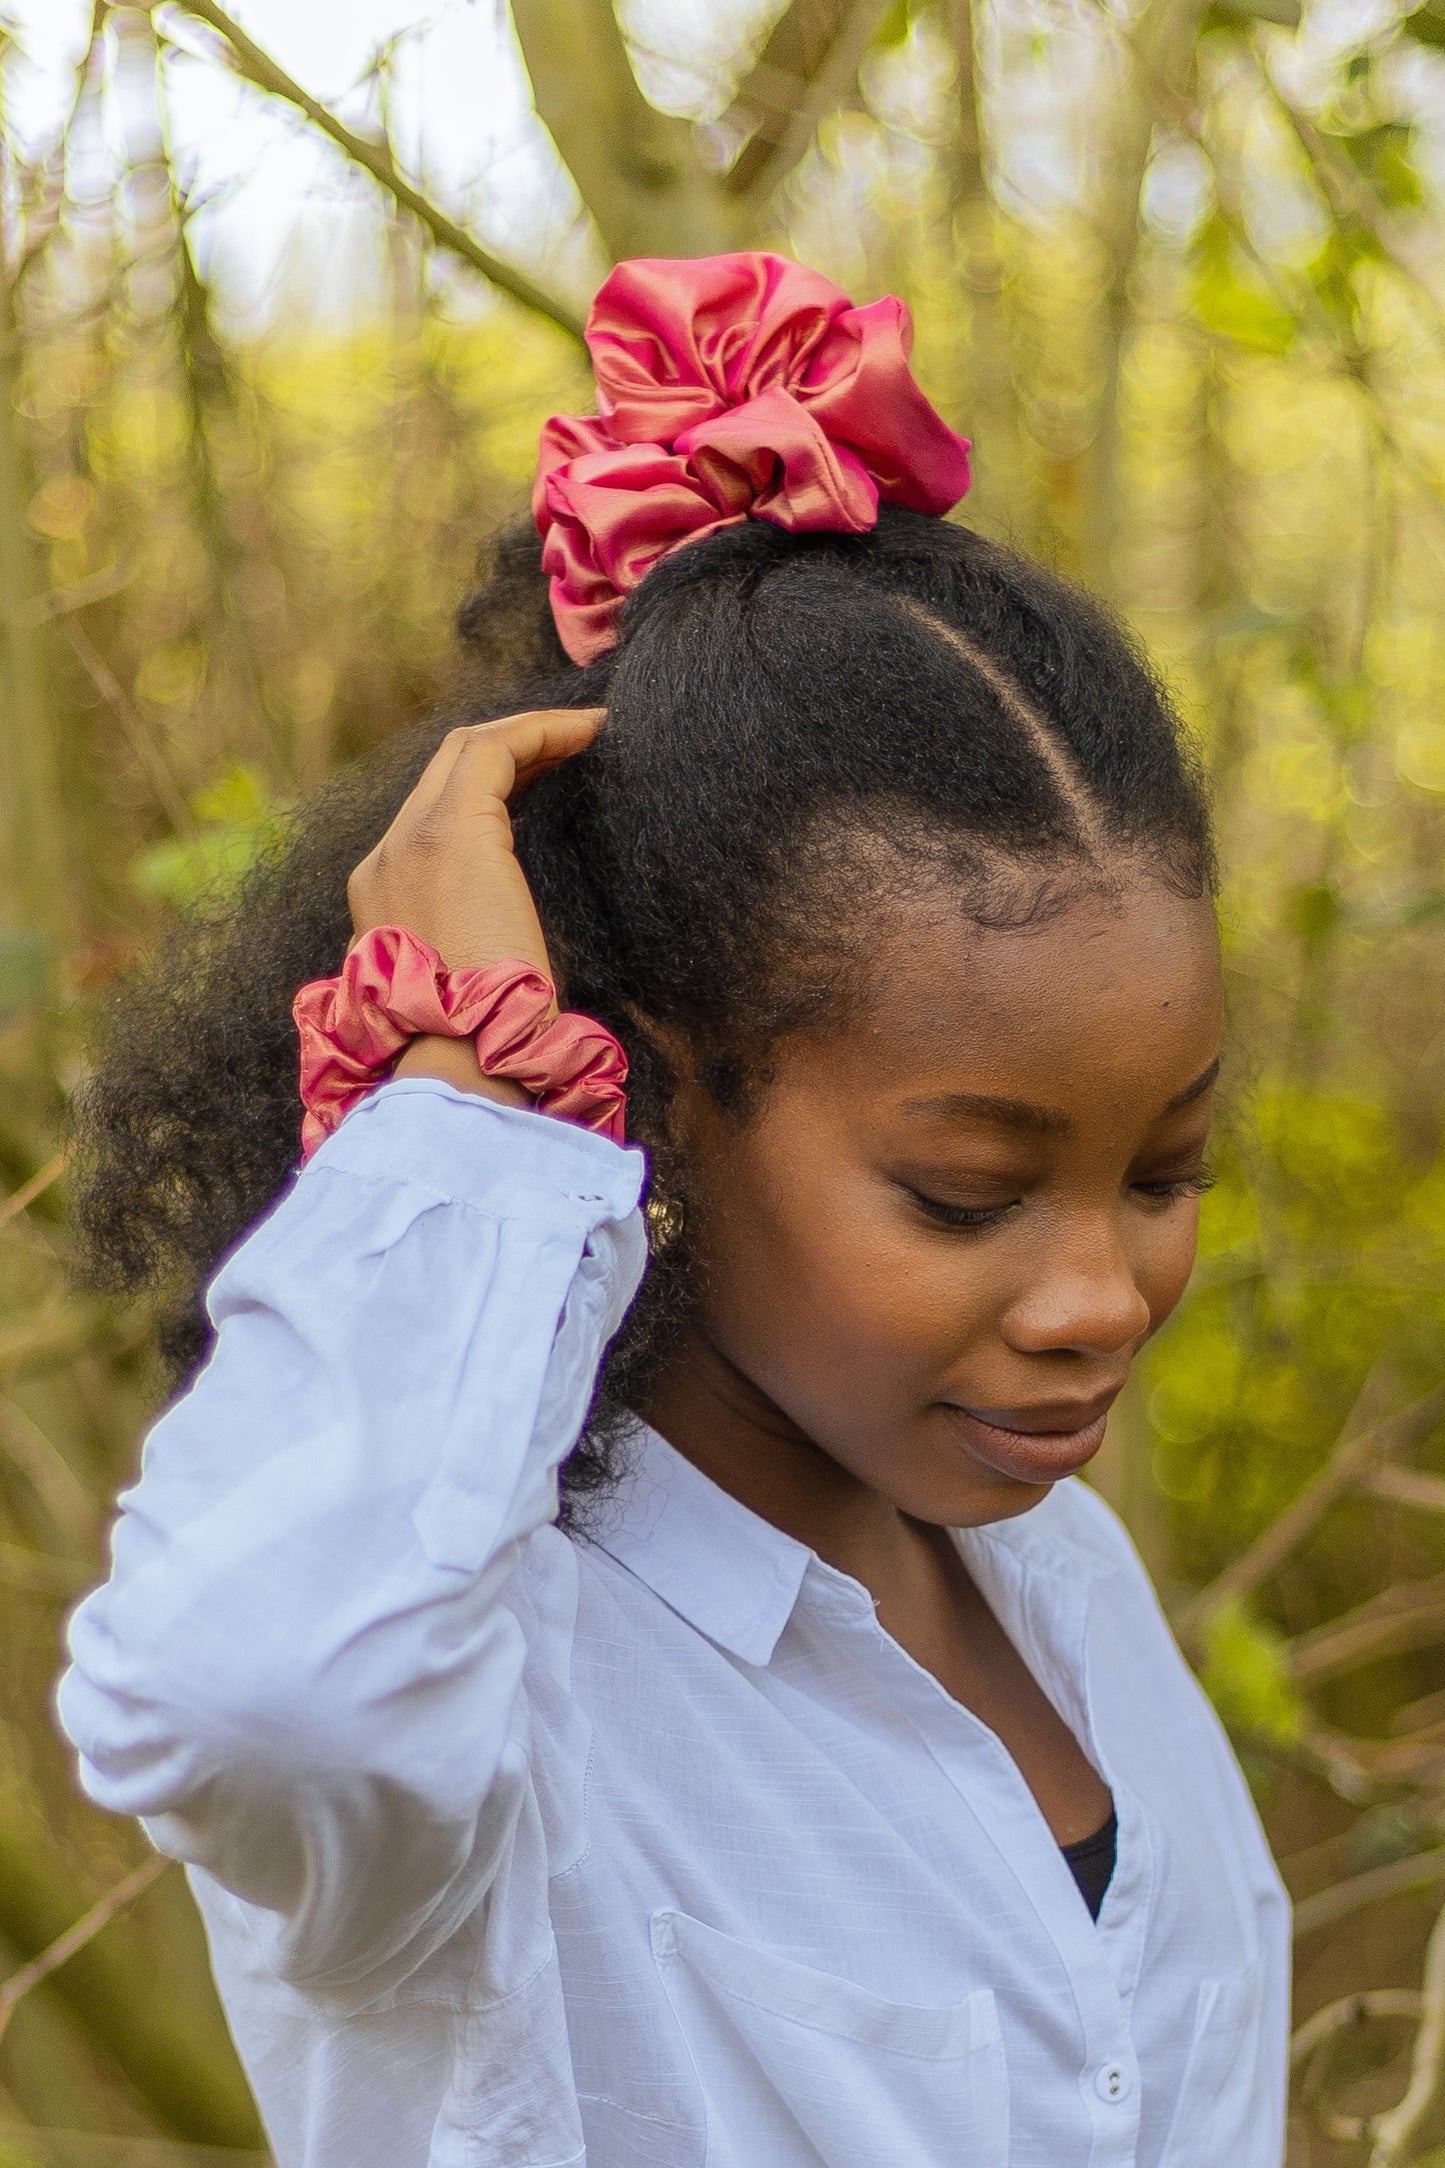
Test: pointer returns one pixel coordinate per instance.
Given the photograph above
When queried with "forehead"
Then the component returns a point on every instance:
(1107, 995)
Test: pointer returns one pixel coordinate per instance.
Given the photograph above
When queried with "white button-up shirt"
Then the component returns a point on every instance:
(645, 1848)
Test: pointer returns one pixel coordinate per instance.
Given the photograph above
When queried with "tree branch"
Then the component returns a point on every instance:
(254, 65)
(137, 733)
(808, 66)
(1398, 2125)
(1348, 194)
(1370, 1888)
(1407, 1615)
(86, 1928)
(638, 170)
(1407, 1487)
(1361, 1444)
(1348, 2012)
(20, 1200)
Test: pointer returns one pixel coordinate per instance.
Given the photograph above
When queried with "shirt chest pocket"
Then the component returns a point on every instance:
(1217, 2116)
(799, 2068)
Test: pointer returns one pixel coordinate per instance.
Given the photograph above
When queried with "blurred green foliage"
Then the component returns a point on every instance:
(1246, 1675)
(234, 822)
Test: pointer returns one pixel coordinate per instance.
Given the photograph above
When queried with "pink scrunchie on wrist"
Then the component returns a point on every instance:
(393, 988)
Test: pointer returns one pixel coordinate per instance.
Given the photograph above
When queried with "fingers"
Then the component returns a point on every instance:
(464, 788)
(430, 784)
(509, 751)
(495, 759)
(534, 743)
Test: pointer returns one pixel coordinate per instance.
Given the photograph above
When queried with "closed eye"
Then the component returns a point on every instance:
(1187, 1185)
(966, 1217)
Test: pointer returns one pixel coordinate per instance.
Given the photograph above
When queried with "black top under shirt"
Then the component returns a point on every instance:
(1091, 1862)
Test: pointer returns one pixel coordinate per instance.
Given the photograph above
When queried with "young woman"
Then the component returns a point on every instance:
(821, 1783)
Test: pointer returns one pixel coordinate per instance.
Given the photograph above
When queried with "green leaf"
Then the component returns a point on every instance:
(235, 825)
(1246, 1675)
(234, 799)
(1332, 272)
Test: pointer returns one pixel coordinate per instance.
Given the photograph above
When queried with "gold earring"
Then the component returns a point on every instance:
(666, 1217)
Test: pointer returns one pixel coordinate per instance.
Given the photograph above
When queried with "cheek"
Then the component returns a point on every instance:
(824, 1279)
(1166, 1259)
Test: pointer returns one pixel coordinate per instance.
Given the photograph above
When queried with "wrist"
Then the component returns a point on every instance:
(395, 1008)
(454, 1062)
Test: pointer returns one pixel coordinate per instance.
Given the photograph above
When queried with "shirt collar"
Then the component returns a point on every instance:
(729, 1573)
(737, 1579)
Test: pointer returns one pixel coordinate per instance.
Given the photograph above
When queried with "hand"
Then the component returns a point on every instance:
(445, 869)
(447, 872)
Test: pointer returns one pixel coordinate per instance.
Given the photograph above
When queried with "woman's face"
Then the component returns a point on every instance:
(936, 1246)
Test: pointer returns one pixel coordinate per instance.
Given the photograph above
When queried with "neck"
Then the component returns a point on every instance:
(722, 1422)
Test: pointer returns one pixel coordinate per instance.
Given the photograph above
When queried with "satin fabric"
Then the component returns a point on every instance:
(729, 387)
(392, 988)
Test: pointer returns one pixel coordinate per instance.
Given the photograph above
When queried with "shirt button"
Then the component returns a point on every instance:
(1111, 2082)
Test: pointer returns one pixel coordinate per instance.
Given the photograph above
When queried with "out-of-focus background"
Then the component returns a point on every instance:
(286, 294)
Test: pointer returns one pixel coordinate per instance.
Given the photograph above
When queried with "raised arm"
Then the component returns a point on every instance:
(303, 1672)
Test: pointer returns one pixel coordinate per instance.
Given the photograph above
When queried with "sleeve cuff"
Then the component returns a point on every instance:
(465, 1149)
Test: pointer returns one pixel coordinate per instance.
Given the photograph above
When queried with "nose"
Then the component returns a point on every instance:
(1085, 1300)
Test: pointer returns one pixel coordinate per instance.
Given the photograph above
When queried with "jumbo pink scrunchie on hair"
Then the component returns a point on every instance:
(729, 387)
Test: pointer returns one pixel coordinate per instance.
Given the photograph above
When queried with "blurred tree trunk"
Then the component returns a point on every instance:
(638, 170)
(174, 321)
(641, 173)
(1122, 1473)
(986, 403)
(28, 720)
(1161, 63)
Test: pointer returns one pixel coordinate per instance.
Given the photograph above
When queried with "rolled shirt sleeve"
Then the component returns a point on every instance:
(303, 1673)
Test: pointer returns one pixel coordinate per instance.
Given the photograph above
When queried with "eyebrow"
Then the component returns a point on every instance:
(1196, 1090)
(1031, 1120)
(1018, 1114)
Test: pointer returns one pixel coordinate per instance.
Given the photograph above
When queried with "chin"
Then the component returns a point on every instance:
(969, 1497)
(1004, 1502)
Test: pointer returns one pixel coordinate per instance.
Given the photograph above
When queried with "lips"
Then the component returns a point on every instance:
(1013, 1444)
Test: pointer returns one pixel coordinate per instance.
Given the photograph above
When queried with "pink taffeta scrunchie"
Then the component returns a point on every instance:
(729, 387)
(393, 987)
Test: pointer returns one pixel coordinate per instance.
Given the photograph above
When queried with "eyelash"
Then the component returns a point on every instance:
(972, 1219)
(1191, 1185)
(969, 1218)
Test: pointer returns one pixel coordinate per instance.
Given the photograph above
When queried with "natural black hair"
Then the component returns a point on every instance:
(775, 702)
